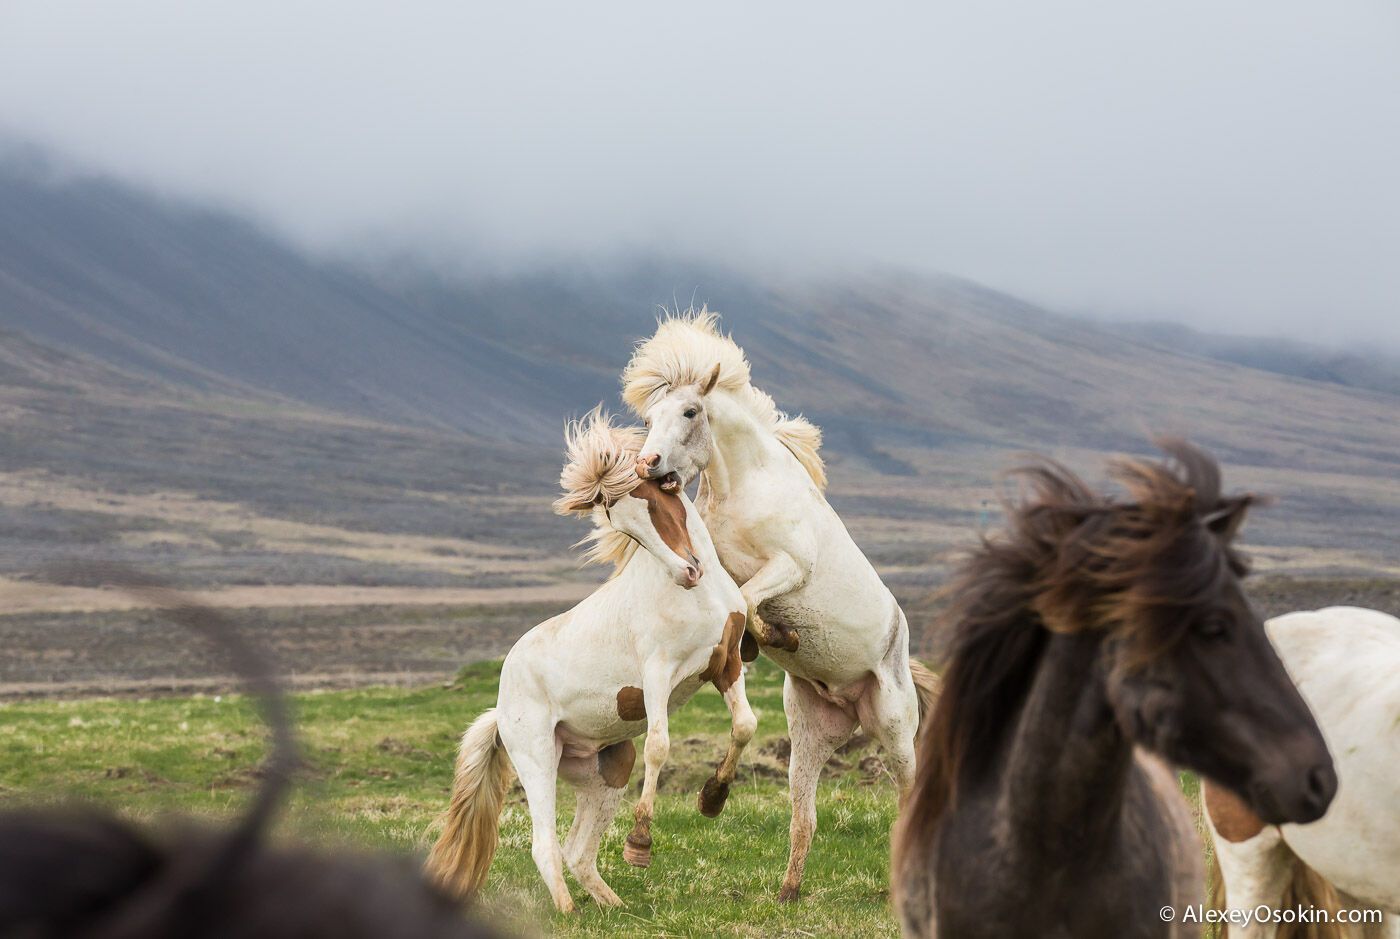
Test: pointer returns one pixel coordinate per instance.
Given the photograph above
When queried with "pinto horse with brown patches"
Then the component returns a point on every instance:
(1096, 643)
(577, 688)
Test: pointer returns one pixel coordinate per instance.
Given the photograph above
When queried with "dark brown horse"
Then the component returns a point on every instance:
(1095, 642)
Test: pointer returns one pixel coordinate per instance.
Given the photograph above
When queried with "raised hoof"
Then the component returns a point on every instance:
(712, 797)
(787, 894)
(636, 852)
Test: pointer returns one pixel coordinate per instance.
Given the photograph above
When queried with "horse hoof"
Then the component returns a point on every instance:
(788, 894)
(712, 797)
(637, 853)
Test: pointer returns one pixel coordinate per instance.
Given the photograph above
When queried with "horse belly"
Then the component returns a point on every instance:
(597, 717)
(831, 648)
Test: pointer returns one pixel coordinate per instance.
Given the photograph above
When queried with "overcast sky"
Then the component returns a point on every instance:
(1232, 165)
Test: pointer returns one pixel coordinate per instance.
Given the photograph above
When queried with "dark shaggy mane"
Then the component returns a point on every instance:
(1070, 559)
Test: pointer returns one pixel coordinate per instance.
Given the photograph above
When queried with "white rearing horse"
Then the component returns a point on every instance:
(814, 602)
(1346, 663)
(577, 688)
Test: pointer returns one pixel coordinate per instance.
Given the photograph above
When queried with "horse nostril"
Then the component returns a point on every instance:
(651, 460)
(1320, 786)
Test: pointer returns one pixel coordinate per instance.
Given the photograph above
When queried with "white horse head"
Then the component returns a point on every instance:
(671, 381)
(678, 423)
(600, 481)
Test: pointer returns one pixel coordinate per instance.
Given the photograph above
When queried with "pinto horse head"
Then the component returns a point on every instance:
(600, 480)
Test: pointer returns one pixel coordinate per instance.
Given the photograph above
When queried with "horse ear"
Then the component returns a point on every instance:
(576, 505)
(1227, 519)
(710, 382)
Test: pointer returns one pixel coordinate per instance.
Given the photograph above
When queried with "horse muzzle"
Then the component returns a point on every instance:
(689, 575)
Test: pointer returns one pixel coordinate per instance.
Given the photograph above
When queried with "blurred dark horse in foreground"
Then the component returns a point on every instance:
(83, 873)
(1095, 642)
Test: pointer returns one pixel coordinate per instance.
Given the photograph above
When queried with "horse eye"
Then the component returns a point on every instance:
(1214, 627)
(691, 412)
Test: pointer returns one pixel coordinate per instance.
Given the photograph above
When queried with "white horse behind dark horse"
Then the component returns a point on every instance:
(577, 688)
(1346, 663)
(814, 602)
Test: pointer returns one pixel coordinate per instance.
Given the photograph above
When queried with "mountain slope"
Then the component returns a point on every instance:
(1371, 371)
(205, 299)
(151, 347)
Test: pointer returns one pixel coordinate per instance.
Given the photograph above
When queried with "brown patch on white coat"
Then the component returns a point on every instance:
(631, 705)
(1234, 820)
(725, 662)
(668, 517)
(615, 763)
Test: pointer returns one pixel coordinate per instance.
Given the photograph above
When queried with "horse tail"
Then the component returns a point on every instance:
(927, 685)
(1306, 889)
(471, 826)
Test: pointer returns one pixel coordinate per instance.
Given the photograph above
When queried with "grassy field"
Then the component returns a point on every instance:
(379, 766)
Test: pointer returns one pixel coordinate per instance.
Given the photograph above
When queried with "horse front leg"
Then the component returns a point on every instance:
(779, 575)
(742, 725)
(656, 692)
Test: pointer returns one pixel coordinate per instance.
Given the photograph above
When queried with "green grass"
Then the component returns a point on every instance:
(379, 767)
(379, 764)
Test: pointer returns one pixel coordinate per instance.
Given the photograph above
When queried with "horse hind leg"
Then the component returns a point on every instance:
(816, 728)
(578, 771)
(597, 805)
(537, 766)
(889, 711)
(600, 781)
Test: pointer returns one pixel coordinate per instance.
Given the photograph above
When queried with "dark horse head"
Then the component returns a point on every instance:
(1190, 672)
(1184, 662)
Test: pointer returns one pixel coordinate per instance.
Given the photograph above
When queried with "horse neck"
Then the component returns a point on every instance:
(700, 540)
(644, 572)
(1067, 768)
(742, 443)
(644, 575)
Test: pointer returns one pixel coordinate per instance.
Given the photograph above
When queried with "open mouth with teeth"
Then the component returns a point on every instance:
(670, 482)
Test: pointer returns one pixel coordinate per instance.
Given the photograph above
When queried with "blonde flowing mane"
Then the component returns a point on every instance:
(599, 469)
(684, 351)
